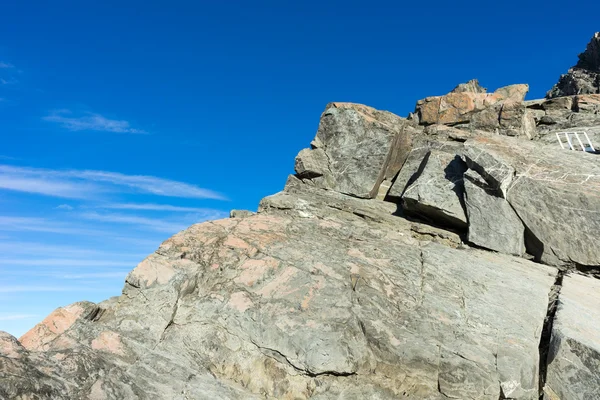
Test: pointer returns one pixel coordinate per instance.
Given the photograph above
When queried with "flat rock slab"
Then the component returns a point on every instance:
(574, 356)
(437, 192)
(493, 224)
(556, 193)
(306, 299)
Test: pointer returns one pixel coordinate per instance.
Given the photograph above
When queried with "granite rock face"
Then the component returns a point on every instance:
(574, 354)
(493, 224)
(556, 193)
(584, 77)
(469, 107)
(304, 300)
(437, 192)
(356, 149)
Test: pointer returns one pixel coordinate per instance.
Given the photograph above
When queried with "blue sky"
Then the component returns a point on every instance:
(123, 122)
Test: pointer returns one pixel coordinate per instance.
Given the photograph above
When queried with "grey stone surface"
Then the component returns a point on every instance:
(574, 357)
(436, 194)
(556, 193)
(409, 171)
(240, 213)
(493, 224)
(469, 107)
(311, 163)
(357, 148)
(472, 86)
(317, 296)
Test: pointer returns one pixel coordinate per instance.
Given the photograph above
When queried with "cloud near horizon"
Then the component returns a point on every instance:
(91, 122)
(90, 184)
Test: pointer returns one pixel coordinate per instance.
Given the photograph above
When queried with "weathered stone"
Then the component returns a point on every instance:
(471, 107)
(589, 103)
(556, 193)
(304, 301)
(240, 213)
(357, 148)
(558, 104)
(513, 93)
(584, 77)
(517, 120)
(574, 354)
(493, 224)
(311, 163)
(436, 194)
(496, 172)
(472, 86)
(55, 324)
(409, 172)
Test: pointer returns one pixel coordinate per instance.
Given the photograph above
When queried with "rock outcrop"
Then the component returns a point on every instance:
(468, 106)
(584, 77)
(574, 353)
(451, 254)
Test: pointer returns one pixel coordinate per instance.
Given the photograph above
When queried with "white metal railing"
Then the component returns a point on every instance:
(569, 140)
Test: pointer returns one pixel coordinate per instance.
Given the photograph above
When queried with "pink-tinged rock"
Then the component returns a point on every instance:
(240, 301)
(461, 107)
(9, 346)
(54, 325)
(280, 286)
(587, 103)
(254, 269)
(108, 341)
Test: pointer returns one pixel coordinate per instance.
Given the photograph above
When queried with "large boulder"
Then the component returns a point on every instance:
(556, 193)
(574, 354)
(469, 105)
(356, 149)
(436, 194)
(493, 224)
(584, 77)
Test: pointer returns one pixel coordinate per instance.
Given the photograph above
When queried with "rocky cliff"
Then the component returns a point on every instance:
(450, 254)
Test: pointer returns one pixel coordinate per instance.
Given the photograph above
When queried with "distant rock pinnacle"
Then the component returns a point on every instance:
(584, 77)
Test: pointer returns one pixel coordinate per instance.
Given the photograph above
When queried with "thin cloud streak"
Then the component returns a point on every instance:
(29, 224)
(151, 223)
(91, 122)
(24, 288)
(157, 207)
(15, 317)
(66, 263)
(10, 247)
(99, 275)
(6, 65)
(84, 184)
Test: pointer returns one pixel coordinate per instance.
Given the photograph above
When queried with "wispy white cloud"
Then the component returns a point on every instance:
(46, 288)
(65, 207)
(6, 65)
(15, 317)
(65, 263)
(158, 207)
(82, 184)
(91, 122)
(156, 224)
(18, 247)
(99, 275)
(32, 224)
(37, 182)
